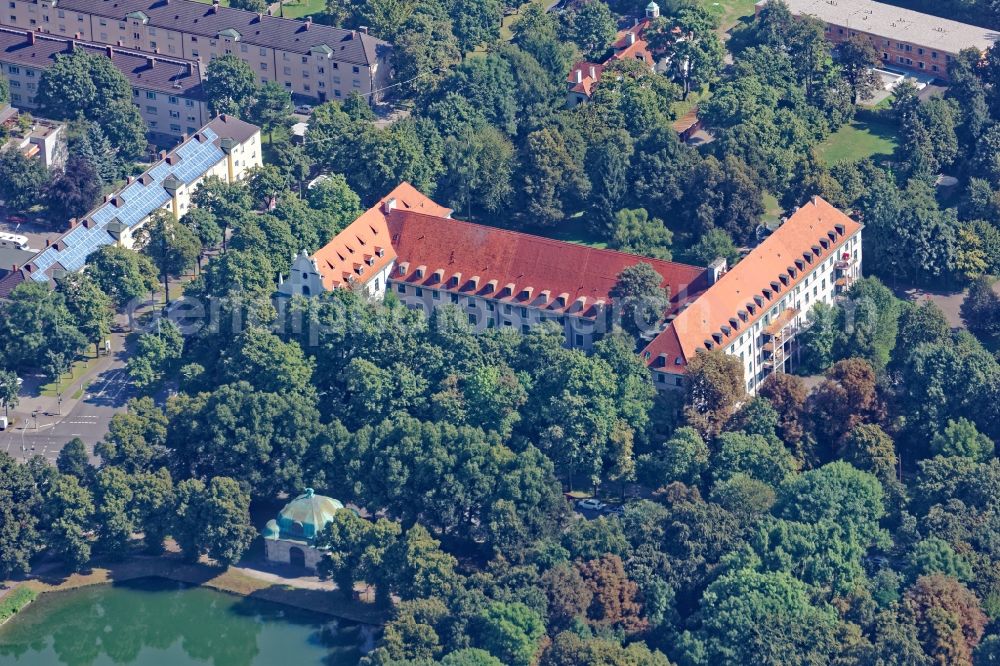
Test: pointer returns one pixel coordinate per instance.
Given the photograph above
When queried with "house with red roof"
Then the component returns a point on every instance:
(628, 44)
(411, 246)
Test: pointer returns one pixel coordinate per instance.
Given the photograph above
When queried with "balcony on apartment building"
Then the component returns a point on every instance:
(779, 337)
(845, 273)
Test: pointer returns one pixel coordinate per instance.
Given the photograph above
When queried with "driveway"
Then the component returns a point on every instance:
(949, 302)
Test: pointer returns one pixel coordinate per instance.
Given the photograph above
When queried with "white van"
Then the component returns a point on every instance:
(15, 241)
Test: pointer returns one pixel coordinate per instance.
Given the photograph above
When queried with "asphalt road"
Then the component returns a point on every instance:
(87, 419)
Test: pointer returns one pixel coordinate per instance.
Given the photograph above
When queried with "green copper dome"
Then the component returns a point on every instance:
(303, 518)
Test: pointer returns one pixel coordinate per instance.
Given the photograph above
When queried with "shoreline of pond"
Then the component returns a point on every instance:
(228, 580)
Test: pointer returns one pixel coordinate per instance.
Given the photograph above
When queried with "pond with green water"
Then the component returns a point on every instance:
(155, 622)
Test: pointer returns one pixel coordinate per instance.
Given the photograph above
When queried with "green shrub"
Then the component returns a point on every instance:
(14, 601)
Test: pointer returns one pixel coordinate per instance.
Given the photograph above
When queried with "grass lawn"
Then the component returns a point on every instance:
(695, 97)
(729, 11)
(772, 209)
(79, 369)
(301, 8)
(859, 140)
(573, 230)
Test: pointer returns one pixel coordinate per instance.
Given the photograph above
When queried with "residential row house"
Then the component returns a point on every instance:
(315, 61)
(903, 38)
(167, 91)
(225, 147)
(410, 246)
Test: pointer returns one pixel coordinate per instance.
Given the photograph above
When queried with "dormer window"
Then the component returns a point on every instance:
(421, 270)
(379, 251)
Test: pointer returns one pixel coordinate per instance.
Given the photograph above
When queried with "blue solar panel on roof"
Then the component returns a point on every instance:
(136, 202)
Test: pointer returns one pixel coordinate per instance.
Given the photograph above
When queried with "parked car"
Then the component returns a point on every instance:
(304, 109)
(591, 504)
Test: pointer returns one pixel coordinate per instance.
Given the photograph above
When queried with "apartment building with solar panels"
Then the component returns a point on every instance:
(226, 147)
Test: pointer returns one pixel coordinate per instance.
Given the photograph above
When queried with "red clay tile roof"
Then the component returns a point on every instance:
(339, 259)
(811, 235)
(587, 82)
(639, 50)
(473, 257)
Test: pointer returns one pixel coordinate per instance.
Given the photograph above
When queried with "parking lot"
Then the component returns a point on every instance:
(35, 230)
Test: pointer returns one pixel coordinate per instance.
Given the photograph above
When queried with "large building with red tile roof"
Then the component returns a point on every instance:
(755, 310)
(500, 278)
(411, 246)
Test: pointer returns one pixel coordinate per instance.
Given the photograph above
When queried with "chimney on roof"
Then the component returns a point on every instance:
(631, 37)
(109, 51)
(593, 72)
(716, 270)
(129, 180)
(215, 7)
(363, 29)
(308, 22)
(151, 62)
(72, 223)
(260, 16)
(389, 205)
(579, 75)
(31, 36)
